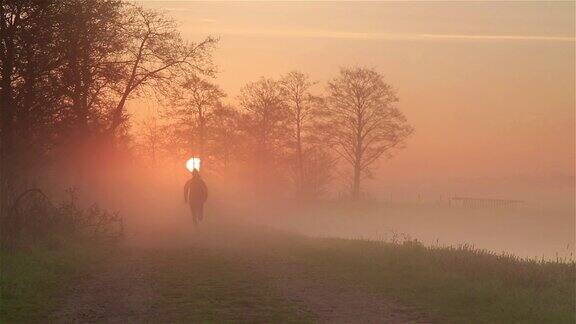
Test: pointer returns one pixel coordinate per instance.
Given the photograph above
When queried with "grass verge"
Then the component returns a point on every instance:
(458, 285)
(33, 282)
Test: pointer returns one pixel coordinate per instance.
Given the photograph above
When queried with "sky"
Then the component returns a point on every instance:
(488, 86)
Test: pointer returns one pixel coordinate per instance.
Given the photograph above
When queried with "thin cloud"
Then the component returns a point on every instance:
(390, 36)
(500, 37)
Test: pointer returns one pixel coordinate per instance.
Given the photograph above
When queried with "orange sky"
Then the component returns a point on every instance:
(489, 87)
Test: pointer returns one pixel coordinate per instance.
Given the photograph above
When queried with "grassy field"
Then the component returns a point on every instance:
(451, 285)
(241, 275)
(448, 284)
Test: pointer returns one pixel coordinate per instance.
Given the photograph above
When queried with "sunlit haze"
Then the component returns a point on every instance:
(287, 161)
(489, 86)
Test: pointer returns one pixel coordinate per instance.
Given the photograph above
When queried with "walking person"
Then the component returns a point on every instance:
(195, 194)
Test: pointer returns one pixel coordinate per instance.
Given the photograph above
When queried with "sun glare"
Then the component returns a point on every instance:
(193, 163)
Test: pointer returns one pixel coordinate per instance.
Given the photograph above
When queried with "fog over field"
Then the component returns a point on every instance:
(287, 161)
(487, 125)
(540, 227)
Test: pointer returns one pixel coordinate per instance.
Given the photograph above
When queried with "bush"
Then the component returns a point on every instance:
(35, 220)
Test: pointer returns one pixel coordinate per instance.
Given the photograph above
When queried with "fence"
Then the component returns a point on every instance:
(468, 202)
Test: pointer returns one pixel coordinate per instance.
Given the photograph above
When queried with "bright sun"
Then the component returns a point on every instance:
(193, 163)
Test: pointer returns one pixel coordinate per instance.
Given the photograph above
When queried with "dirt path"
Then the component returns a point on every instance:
(119, 291)
(124, 290)
(334, 302)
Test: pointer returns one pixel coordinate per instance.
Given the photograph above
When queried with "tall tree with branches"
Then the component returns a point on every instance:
(226, 141)
(155, 56)
(265, 123)
(28, 101)
(302, 104)
(151, 140)
(364, 122)
(194, 106)
(91, 43)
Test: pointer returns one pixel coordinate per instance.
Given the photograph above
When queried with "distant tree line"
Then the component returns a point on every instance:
(282, 130)
(68, 68)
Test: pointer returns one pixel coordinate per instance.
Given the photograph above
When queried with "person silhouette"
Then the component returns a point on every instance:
(195, 194)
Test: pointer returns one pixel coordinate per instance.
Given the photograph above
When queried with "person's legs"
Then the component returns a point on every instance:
(194, 212)
(201, 211)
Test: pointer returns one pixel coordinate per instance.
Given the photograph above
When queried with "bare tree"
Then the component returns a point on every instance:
(195, 102)
(10, 25)
(28, 60)
(318, 171)
(265, 123)
(364, 122)
(67, 69)
(113, 51)
(90, 41)
(151, 139)
(155, 56)
(296, 87)
(226, 141)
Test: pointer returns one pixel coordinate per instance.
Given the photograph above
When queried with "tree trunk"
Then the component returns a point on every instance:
(356, 183)
(7, 176)
(357, 157)
(300, 166)
(117, 114)
(201, 134)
